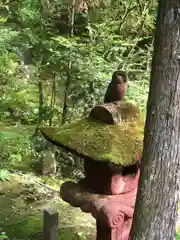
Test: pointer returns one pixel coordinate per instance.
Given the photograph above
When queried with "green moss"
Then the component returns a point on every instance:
(120, 143)
(24, 227)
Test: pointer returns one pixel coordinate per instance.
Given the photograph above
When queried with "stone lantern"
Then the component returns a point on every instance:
(110, 142)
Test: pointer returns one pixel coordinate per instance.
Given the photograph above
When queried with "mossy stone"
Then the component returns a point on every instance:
(120, 143)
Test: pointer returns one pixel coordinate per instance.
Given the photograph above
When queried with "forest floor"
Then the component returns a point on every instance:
(22, 201)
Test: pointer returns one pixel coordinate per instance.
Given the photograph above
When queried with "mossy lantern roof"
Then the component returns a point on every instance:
(120, 143)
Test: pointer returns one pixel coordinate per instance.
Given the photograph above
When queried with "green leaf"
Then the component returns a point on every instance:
(4, 175)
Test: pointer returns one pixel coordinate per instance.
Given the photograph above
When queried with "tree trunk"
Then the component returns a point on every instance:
(69, 68)
(41, 101)
(53, 100)
(156, 205)
(41, 107)
(66, 92)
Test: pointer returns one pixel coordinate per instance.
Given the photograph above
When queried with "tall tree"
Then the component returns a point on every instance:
(156, 205)
(69, 67)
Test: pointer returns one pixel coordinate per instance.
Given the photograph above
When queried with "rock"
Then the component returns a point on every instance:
(115, 112)
(48, 163)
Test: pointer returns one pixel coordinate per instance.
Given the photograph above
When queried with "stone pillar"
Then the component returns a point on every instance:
(115, 227)
(113, 213)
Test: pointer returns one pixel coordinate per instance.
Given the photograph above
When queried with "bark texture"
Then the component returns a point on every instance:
(156, 205)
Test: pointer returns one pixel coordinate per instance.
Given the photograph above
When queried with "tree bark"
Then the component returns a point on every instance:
(53, 100)
(156, 205)
(69, 68)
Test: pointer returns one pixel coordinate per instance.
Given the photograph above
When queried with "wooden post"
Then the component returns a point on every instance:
(50, 225)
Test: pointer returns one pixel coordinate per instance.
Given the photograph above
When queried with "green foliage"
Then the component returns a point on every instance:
(3, 236)
(39, 63)
(68, 235)
(34, 49)
(177, 236)
(4, 175)
(8, 37)
(119, 40)
(15, 147)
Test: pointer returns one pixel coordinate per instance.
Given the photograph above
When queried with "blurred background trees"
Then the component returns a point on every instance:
(56, 60)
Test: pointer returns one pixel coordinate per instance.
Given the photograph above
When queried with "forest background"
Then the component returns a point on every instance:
(56, 60)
